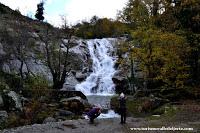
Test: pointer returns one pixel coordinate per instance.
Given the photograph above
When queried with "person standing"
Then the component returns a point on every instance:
(122, 107)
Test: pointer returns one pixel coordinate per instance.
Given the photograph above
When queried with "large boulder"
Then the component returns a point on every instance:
(75, 104)
(76, 98)
(12, 100)
(152, 103)
(121, 83)
(70, 82)
(60, 94)
(63, 115)
(80, 76)
(49, 120)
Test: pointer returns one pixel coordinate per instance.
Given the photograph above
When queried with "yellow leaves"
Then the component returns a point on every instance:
(162, 54)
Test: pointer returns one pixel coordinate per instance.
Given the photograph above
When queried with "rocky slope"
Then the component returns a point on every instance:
(20, 40)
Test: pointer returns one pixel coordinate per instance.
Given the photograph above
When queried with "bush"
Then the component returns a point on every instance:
(3, 86)
(36, 112)
(36, 87)
(14, 120)
(131, 104)
(12, 81)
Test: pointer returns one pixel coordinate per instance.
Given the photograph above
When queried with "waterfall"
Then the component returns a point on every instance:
(100, 82)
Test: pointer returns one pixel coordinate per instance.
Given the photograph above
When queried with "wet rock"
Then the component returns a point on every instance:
(80, 76)
(52, 105)
(104, 110)
(70, 82)
(85, 70)
(121, 83)
(77, 98)
(12, 100)
(68, 94)
(49, 120)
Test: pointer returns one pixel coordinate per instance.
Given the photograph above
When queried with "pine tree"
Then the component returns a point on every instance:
(39, 12)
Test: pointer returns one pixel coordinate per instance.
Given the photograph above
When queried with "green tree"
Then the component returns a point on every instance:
(135, 13)
(100, 28)
(56, 54)
(39, 12)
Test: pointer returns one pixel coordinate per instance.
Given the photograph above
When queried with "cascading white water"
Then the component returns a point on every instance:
(99, 83)
(100, 80)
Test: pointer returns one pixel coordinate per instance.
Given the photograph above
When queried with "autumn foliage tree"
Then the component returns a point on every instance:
(165, 37)
(162, 57)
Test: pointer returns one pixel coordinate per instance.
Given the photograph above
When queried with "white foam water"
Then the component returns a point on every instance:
(99, 87)
(100, 80)
(110, 114)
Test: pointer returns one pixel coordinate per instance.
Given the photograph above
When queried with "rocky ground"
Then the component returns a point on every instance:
(102, 126)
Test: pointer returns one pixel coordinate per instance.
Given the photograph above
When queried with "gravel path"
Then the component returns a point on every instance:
(101, 126)
(73, 126)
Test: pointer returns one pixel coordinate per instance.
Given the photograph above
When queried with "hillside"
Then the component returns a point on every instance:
(21, 39)
(35, 59)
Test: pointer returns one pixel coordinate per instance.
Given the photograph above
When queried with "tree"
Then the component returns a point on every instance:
(108, 28)
(64, 22)
(56, 55)
(134, 13)
(94, 20)
(20, 49)
(162, 57)
(128, 63)
(39, 12)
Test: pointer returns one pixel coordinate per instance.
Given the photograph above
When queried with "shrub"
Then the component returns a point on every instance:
(36, 87)
(11, 81)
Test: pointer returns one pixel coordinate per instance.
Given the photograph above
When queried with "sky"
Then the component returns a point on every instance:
(74, 10)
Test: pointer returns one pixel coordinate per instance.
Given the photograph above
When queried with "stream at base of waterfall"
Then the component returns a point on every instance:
(98, 86)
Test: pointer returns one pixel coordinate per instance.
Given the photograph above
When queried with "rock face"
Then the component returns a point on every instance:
(70, 83)
(15, 97)
(12, 100)
(17, 30)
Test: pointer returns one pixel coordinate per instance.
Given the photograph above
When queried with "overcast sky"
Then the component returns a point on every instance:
(75, 10)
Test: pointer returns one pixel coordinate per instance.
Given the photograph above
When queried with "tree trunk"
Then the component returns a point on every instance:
(21, 70)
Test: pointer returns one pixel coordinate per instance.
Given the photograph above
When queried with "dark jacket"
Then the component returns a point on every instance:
(93, 113)
(122, 103)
